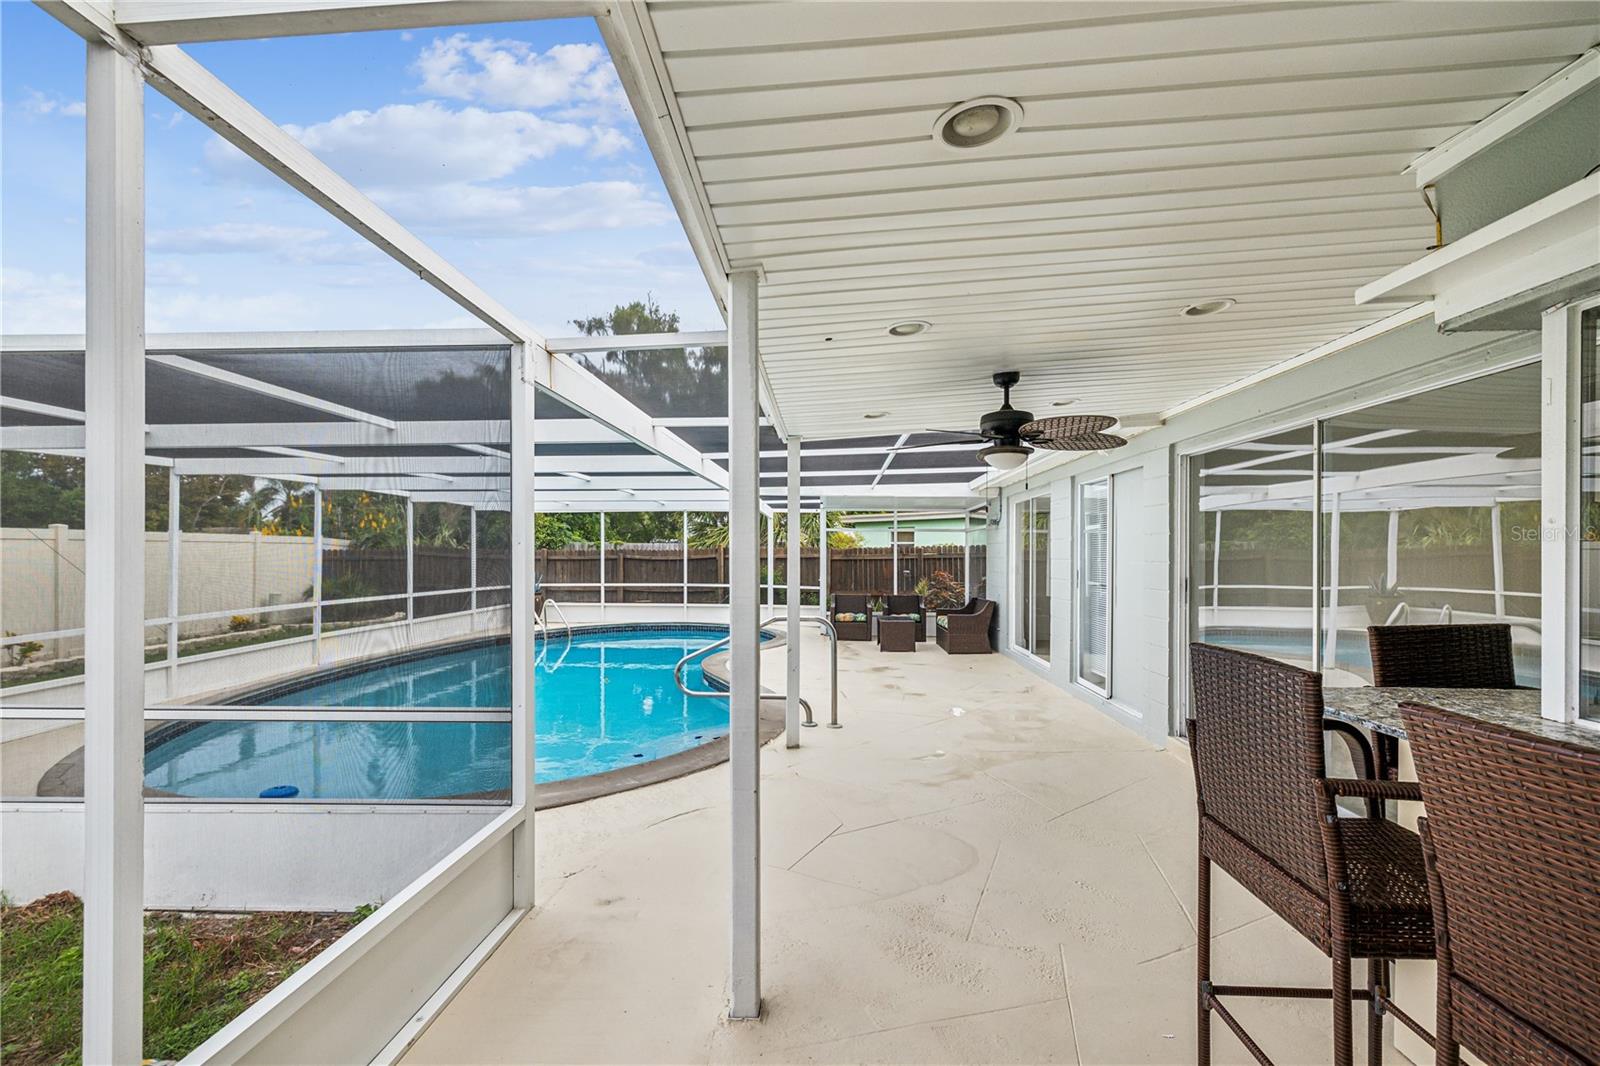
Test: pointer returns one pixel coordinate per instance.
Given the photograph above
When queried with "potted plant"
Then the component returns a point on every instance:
(1382, 599)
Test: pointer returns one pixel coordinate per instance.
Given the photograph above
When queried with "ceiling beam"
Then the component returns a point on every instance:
(638, 342)
(153, 22)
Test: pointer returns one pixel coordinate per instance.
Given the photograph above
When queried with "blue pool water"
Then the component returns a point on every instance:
(605, 702)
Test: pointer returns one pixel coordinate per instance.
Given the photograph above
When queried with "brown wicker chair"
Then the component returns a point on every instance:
(1467, 656)
(1354, 887)
(1474, 656)
(852, 603)
(1512, 844)
(908, 604)
(969, 631)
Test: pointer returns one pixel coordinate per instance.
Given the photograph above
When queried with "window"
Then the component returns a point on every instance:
(905, 536)
(1251, 523)
(1429, 513)
(1094, 585)
(1032, 630)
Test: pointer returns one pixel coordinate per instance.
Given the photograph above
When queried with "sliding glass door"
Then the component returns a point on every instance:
(1094, 585)
(1031, 628)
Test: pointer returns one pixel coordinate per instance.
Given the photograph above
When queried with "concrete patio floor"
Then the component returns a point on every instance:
(978, 868)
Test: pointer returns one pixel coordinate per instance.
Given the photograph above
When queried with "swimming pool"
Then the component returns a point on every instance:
(605, 702)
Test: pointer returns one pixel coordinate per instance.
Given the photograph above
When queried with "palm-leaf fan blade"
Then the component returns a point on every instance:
(1064, 426)
(1084, 442)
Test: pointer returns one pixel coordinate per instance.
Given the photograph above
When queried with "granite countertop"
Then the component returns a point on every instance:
(1378, 709)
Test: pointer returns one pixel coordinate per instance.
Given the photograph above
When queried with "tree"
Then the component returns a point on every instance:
(680, 382)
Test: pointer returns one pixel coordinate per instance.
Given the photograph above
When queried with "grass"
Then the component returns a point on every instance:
(199, 973)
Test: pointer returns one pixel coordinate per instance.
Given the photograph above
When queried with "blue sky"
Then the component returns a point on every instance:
(509, 148)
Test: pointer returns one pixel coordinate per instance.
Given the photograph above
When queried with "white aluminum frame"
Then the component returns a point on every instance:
(1021, 572)
(1561, 511)
(113, 800)
(791, 702)
(744, 700)
(1079, 485)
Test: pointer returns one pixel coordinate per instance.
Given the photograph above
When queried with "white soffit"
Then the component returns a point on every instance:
(1487, 271)
(1170, 152)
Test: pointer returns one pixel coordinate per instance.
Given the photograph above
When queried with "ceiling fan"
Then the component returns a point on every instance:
(1013, 435)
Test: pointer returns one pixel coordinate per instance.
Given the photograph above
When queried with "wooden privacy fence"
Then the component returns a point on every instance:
(357, 572)
(636, 574)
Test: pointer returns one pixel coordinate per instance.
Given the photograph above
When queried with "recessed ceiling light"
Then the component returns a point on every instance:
(977, 122)
(876, 414)
(1202, 308)
(909, 328)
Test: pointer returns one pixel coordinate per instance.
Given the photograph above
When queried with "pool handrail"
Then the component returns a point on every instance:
(833, 642)
(539, 622)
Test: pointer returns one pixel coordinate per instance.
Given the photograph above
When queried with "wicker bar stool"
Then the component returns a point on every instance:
(1512, 845)
(1354, 887)
(1473, 656)
(1468, 656)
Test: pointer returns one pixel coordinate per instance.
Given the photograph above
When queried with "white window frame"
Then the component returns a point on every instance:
(1080, 582)
(1561, 511)
(1022, 569)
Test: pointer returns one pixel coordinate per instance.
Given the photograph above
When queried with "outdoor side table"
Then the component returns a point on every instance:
(897, 634)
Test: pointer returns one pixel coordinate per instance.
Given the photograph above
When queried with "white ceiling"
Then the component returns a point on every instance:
(1170, 152)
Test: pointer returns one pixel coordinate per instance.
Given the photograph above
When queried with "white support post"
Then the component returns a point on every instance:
(411, 568)
(894, 552)
(966, 553)
(772, 559)
(1391, 559)
(1561, 511)
(791, 703)
(1330, 654)
(1216, 566)
(113, 778)
(602, 566)
(744, 701)
(174, 533)
(522, 626)
(684, 539)
(822, 557)
(1497, 545)
(472, 561)
(316, 573)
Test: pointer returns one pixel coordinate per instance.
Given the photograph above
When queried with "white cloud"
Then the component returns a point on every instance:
(430, 144)
(292, 244)
(509, 73)
(192, 311)
(40, 303)
(494, 211)
(38, 103)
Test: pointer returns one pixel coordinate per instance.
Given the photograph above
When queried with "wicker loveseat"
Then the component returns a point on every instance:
(969, 630)
(851, 614)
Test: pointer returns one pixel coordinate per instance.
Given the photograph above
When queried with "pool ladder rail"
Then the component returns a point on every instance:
(833, 657)
(541, 625)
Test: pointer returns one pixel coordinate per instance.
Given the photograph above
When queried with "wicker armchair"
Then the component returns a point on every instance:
(1513, 860)
(969, 631)
(910, 605)
(1354, 887)
(1475, 656)
(856, 605)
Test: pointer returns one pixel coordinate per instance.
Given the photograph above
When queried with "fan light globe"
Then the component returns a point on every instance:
(1004, 456)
